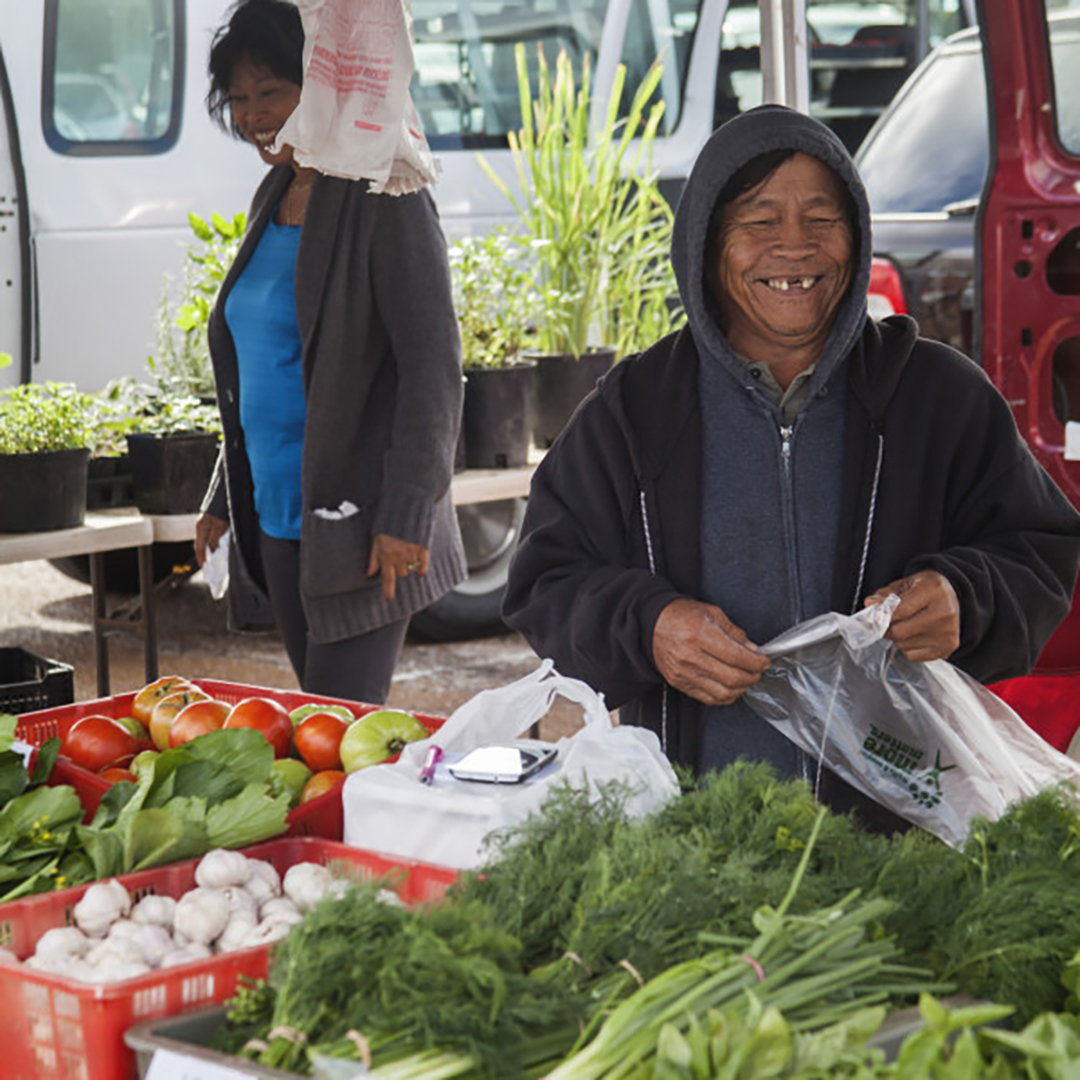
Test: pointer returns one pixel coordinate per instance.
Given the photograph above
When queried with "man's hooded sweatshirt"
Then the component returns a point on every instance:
(678, 478)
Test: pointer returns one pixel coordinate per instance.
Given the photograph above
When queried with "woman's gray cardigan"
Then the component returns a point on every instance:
(382, 377)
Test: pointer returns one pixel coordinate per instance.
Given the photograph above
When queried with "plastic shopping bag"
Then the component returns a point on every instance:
(216, 568)
(386, 809)
(923, 739)
(356, 118)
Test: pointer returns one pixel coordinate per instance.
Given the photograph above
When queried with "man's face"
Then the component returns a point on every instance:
(781, 263)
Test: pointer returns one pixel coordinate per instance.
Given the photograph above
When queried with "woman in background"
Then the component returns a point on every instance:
(337, 362)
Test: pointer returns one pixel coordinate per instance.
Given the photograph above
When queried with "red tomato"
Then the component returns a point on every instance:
(318, 740)
(116, 773)
(198, 718)
(99, 742)
(320, 783)
(267, 717)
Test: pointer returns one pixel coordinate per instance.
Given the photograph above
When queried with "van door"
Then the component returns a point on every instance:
(12, 239)
(1028, 243)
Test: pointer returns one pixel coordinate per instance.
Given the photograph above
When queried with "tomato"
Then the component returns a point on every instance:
(320, 783)
(116, 773)
(265, 716)
(197, 719)
(99, 742)
(145, 700)
(318, 740)
(167, 709)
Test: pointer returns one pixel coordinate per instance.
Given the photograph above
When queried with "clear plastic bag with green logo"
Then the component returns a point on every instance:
(923, 739)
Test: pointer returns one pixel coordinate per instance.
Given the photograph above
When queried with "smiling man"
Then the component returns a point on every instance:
(782, 456)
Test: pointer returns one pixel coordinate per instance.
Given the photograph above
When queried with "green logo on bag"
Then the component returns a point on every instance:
(901, 761)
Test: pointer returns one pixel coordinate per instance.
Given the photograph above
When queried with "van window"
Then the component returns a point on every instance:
(861, 51)
(112, 75)
(465, 82)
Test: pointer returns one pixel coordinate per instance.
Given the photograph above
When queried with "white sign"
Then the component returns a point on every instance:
(1072, 441)
(167, 1065)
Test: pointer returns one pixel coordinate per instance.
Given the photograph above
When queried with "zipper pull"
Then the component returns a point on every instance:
(785, 444)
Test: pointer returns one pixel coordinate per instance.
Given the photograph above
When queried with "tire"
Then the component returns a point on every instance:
(490, 534)
(122, 567)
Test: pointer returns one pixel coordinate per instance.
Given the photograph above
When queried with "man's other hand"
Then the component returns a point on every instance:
(926, 623)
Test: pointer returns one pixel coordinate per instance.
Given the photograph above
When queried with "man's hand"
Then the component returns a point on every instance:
(926, 623)
(702, 653)
(208, 533)
(393, 559)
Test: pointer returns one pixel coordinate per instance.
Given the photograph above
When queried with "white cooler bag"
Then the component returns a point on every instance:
(387, 809)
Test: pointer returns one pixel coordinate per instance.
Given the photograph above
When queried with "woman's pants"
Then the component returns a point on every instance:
(357, 668)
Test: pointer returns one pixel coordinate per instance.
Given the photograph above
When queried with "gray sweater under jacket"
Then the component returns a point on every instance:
(382, 377)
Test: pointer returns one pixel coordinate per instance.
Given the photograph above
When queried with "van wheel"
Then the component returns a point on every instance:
(122, 567)
(490, 534)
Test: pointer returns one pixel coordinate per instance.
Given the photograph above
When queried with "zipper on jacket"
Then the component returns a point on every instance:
(787, 435)
(787, 510)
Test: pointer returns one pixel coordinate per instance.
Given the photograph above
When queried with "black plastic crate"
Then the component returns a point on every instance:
(29, 682)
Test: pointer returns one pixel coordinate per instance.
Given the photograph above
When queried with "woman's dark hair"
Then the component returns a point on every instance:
(266, 32)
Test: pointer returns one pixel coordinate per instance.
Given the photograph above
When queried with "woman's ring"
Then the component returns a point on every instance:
(411, 567)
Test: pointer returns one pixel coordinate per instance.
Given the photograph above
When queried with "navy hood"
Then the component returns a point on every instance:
(740, 140)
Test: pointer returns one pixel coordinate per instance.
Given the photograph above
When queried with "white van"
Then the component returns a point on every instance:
(105, 145)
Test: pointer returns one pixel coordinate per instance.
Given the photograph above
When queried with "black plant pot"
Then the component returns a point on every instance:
(170, 473)
(561, 383)
(108, 483)
(43, 492)
(498, 415)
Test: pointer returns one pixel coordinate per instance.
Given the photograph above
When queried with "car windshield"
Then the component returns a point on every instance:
(932, 150)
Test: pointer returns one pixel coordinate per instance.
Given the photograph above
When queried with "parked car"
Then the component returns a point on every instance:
(925, 163)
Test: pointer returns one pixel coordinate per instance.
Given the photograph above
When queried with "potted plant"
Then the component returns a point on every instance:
(493, 299)
(597, 226)
(172, 446)
(183, 353)
(45, 434)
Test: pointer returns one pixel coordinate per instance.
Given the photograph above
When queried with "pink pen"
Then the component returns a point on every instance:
(431, 760)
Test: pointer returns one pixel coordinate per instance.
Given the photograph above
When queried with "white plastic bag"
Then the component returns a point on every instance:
(216, 568)
(356, 118)
(923, 739)
(388, 810)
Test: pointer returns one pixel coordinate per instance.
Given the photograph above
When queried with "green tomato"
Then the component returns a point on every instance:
(288, 774)
(304, 711)
(136, 727)
(377, 736)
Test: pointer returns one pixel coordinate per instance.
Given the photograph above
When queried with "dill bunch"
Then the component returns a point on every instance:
(1012, 942)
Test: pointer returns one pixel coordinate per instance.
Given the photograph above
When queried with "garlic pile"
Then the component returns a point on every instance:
(237, 903)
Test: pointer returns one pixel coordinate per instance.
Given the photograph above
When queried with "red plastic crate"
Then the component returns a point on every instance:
(321, 816)
(58, 1029)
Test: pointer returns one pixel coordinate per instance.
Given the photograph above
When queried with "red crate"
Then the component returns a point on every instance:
(321, 816)
(59, 1029)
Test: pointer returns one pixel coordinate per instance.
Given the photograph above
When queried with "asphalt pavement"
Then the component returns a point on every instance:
(49, 614)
